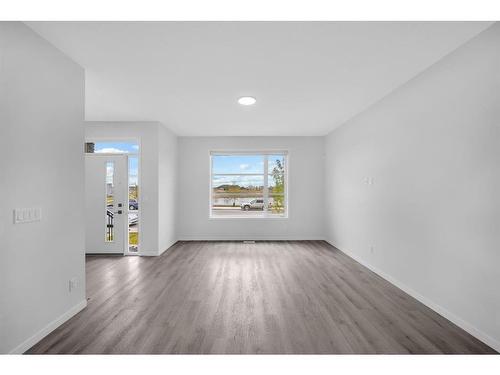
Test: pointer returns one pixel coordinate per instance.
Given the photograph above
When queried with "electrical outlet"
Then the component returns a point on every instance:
(73, 283)
(372, 249)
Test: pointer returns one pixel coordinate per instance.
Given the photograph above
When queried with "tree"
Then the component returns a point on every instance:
(278, 193)
(234, 189)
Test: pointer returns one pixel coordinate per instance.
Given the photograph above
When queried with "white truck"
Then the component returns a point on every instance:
(255, 204)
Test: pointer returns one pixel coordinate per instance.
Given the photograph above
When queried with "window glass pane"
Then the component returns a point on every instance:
(240, 164)
(110, 200)
(133, 203)
(276, 163)
(276, 204)
(112, 147)
(276, 184)
(237, 195)
(133, 231)
(133, 182)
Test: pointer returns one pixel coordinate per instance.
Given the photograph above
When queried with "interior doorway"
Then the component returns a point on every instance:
(112, 189)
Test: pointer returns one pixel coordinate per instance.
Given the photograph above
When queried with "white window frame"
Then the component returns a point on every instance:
(265, 195)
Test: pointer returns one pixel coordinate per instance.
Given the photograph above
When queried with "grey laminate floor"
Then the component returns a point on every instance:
(268, 297)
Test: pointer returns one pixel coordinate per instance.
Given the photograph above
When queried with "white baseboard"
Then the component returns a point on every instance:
(21, 348)
(159, 252)
(246, 237)
(165, 248)
(466, 326)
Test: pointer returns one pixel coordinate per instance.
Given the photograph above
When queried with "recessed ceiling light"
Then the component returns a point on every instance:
(247, 100)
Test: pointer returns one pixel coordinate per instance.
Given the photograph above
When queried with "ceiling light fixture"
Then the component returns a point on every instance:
(247, 100)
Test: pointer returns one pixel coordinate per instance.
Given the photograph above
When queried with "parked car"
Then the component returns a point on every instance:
(133, 219)
(255, 204)
(133, 205)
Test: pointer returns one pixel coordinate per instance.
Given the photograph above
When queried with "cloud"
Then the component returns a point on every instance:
(135, 147)
(111, 150)
(244, 166)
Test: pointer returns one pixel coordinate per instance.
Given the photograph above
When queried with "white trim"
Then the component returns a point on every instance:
(172, 243)
(210, 186)
(263, 216)
(266, 151)
(466, 326)
(110, 153)
(24, 346)
(236, 174)
(139, 198)
(249, 237)
(111, 139)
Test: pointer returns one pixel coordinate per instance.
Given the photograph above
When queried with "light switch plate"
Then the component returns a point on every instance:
(27, 215)
(73, 283)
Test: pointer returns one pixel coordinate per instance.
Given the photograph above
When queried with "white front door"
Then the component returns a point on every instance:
(106, 193)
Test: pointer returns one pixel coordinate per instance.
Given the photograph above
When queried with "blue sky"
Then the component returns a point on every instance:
(116, 147)
(237, 164)
(245, 165)
(122, 147)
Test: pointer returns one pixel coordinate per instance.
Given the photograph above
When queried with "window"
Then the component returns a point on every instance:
(249, 184)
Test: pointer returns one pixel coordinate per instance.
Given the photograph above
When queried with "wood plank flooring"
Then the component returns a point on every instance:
(269, 297)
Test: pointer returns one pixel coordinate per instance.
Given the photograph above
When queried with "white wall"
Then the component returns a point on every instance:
(157, 165)
(41, 163)
(432, 213)
(306, 185)
(167, 189)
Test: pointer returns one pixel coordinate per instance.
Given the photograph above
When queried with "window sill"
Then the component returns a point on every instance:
(236, 217)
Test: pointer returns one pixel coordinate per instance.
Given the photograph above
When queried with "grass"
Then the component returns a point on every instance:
(133, 238)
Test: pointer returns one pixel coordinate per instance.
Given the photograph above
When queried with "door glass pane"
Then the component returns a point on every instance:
(110, 200)
(133, 203)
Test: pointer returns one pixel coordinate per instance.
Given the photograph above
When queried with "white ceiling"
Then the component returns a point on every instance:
(308, 77)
